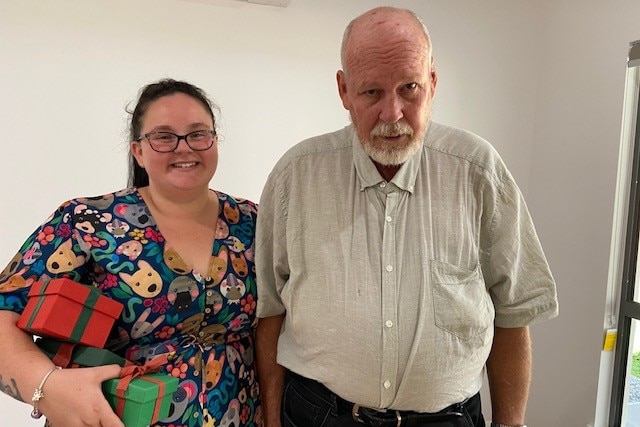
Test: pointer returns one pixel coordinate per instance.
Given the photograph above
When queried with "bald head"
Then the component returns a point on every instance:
(381, 27)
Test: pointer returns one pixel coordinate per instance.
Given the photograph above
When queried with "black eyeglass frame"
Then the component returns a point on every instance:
(179, 138)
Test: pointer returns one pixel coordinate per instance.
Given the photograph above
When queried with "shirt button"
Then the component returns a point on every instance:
(389, 323)
(386, 384)
(388, 219)
(389, 268)
(383, 184)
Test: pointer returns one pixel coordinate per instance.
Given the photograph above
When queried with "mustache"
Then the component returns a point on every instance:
(392, 129)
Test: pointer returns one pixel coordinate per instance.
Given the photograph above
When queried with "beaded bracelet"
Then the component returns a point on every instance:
(38, 394)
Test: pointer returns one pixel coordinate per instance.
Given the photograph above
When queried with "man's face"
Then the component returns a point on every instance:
(388, 92)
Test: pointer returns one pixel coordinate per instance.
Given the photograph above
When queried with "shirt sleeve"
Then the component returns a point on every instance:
(516, 271)
(272, 266)
(52, 250)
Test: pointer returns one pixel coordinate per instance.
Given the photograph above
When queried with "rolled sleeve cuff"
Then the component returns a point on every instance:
(525, 316)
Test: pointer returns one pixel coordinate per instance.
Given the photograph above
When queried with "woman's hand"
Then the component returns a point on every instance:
(73, 398)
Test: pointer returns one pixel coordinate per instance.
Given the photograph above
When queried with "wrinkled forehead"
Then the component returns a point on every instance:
(374, 65)
(400, 57)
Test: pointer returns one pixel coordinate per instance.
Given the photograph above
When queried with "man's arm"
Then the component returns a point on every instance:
(270, 374)
(509, 373)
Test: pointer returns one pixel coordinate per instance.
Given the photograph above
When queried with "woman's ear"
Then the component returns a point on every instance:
(136, 150)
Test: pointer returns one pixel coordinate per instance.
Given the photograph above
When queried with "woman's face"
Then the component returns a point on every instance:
(182, 169)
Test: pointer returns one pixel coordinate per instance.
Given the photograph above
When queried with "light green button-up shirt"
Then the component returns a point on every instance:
(392, 289)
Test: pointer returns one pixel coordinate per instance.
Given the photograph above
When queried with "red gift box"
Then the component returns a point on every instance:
(70, 311)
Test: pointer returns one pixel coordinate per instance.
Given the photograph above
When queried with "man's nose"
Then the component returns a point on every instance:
(391, 109)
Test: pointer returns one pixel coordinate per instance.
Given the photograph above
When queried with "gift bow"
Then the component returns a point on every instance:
(131, 371)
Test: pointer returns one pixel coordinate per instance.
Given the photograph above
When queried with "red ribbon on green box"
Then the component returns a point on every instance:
(68, 354)
(130, 372)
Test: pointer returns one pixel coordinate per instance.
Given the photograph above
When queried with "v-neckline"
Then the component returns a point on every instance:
(165, 244)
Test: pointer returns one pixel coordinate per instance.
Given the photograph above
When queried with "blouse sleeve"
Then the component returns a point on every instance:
(51, 251)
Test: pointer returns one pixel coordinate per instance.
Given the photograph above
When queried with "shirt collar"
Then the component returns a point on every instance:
(369, 176)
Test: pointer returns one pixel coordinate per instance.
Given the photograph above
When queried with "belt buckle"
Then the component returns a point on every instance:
(355, 414)
(399, 418)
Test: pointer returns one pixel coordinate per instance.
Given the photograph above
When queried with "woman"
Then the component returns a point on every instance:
(176, 254)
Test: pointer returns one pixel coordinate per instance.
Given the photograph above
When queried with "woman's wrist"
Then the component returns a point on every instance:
(39, 394)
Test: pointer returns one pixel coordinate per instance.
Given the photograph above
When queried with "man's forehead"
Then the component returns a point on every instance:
(369, 65)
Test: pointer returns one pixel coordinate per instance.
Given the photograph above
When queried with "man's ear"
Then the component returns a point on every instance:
(342, 89)
(434, 76)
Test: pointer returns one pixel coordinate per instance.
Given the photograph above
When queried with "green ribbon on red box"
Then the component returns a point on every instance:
(130, 372)
(85, 315)
(34, 313)
(83, 319)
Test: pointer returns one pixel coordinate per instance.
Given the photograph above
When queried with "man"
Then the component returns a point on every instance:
(395, 258)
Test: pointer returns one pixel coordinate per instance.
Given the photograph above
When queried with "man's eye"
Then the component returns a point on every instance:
(371, 92)
(411, 86)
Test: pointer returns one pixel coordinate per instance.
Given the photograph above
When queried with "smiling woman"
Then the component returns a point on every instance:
(183, 171)
(177, 254)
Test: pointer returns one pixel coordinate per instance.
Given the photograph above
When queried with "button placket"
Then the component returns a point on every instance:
(390, 339)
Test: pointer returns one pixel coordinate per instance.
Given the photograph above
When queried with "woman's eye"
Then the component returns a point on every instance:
(163, 137)
(199, 135)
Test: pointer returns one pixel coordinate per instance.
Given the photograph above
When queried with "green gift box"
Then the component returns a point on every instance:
(145, 400)
(70, 355)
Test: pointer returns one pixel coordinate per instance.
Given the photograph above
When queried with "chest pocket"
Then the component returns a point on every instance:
(462, 305)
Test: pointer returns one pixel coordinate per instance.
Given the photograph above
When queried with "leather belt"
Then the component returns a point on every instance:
(393, 418)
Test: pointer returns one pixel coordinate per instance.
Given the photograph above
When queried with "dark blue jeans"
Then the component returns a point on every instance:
(307, 403)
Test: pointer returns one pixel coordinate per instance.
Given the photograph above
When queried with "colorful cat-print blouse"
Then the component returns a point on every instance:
(207, 319)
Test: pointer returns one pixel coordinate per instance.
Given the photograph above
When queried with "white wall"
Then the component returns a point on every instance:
(571, 191)
(541, 80)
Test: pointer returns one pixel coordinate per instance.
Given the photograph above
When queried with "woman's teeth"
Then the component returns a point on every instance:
(184, 165)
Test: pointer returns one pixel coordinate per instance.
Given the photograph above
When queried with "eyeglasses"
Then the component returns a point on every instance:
(166, 142)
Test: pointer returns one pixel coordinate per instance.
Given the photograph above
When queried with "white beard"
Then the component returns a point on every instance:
(391, 154)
